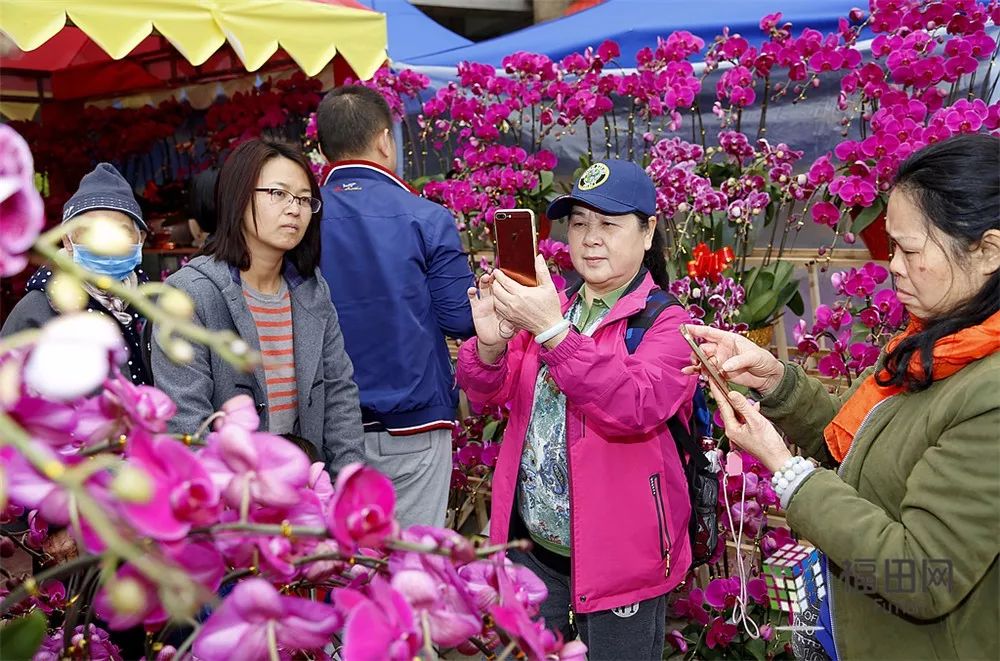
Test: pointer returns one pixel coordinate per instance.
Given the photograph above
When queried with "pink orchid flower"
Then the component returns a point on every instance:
(720, 633)
(482, 582)
(380, 626)
(143, 406)
(532, 636)
(254, 612)
(31, 490)
(239, 411)
(21, 206)
(264, 468)
(182, 492)
(692, 607)
(200, 560)
(361, 513)
(93, 639)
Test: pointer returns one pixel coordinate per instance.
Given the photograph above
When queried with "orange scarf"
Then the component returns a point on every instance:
(951, 354)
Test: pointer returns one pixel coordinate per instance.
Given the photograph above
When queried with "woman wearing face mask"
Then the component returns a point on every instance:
(904, 502)
(103, 194)
(258, 277)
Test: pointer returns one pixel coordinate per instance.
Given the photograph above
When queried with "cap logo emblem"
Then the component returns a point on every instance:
(594, 176)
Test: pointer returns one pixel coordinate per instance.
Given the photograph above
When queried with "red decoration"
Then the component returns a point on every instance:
(707, 264)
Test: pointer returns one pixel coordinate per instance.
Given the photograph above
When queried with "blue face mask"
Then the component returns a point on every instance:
(116, 267)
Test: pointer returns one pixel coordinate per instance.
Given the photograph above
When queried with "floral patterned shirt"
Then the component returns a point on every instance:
(543, 481)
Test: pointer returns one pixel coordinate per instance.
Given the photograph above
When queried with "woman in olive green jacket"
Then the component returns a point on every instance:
(906, 505)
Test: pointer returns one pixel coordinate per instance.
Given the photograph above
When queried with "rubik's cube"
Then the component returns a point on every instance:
(794, 577)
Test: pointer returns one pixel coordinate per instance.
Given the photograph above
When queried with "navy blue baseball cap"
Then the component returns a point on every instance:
(613, 187)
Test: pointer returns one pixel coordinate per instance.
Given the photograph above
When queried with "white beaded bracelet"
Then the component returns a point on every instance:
(550, 333)
(787, 478)
(792, 468)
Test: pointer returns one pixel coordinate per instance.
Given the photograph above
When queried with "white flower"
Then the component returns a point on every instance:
(73, 355)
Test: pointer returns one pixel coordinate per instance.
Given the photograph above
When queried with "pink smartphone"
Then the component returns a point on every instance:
(516, 244)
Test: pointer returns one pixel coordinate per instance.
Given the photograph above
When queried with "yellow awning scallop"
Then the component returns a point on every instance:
(310, 32)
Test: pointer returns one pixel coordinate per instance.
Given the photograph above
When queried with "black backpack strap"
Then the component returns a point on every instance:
(656, 302)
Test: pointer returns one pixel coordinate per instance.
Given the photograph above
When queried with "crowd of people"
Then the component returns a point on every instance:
(349, 287)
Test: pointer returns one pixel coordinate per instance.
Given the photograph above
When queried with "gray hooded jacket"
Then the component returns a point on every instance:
(329, 413)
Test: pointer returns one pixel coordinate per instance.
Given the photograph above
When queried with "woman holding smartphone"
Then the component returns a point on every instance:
(904, 500)
(588, 470)
(258, 277)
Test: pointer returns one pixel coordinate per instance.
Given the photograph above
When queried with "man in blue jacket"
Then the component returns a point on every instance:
(398, 277)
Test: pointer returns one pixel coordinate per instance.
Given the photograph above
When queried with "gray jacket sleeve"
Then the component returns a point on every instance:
(32, 311)
(343, 433)
(189, 385)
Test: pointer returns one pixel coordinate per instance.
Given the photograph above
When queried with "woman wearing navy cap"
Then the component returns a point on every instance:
(588, 469)
(104, 193)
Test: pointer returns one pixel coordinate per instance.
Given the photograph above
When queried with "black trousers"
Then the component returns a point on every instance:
(635, 632)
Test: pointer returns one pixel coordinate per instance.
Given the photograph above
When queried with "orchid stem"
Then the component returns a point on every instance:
(208, 421)
(367, 561)
(220, 341)
(186, 645)
(507, 651)
(272, 642)
(425, 625)
(18, 340)
(266, 529)
(519, 544)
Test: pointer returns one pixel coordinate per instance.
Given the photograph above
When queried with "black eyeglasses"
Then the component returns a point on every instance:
(281, 196)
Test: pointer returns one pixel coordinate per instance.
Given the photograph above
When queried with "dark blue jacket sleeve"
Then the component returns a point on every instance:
(448, 276)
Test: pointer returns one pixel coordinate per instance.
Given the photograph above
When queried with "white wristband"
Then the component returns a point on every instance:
(550, 333)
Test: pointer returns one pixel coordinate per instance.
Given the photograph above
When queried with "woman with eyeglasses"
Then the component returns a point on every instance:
(258, 276)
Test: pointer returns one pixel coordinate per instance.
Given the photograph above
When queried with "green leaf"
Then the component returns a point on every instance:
(868, 216)
(750, 277)
(782, 274)
(796, 304)
(490, 429)
(786, 294)
(545, 178)
(764, 282)
(21, 638)
(758, 309)
(758, 648)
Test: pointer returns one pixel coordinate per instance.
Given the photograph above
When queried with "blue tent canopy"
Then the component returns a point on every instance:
(413, 34)
(637, 23)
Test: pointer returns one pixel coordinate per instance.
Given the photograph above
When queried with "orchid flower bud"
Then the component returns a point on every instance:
(126, 595)
(66, 293)
(132, 485)
(104, 236)
(180, 351)
(73, 355)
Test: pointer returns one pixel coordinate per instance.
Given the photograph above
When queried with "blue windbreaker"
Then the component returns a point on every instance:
(398, 277)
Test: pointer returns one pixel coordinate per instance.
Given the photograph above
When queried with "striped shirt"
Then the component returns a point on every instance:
(272, 313)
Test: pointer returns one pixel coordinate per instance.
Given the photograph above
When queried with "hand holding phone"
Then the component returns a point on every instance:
(713, 374)
(708, 367)
(516, 244)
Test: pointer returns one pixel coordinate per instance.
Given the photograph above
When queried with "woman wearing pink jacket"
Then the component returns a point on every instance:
(588, 470)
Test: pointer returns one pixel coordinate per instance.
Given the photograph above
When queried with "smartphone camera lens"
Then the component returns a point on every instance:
(501, 216)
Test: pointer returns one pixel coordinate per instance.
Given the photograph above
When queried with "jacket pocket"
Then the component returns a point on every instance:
(312, 392)
(661, 514)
